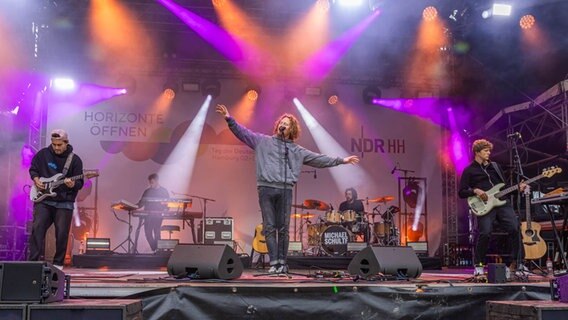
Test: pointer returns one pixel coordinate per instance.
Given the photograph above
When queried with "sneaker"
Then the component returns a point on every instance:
(58, 267)
(507, 273)
(478, 271)
(274, 269)
(283, 268)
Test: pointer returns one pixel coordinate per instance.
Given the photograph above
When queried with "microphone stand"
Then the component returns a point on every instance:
(286, 164)
(204, 215)
(519, 174)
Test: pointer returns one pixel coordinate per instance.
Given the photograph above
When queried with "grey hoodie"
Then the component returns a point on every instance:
(269, 153)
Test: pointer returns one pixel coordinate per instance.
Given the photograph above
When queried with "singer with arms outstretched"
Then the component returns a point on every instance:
(278, 165)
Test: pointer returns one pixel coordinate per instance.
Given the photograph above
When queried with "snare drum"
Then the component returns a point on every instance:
(382, 229)
(334, 240)
(333, 217)
(349, 216)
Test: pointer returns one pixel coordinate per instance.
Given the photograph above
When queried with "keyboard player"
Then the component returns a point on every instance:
(152, 224)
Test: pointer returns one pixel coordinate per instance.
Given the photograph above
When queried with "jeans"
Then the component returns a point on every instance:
(275, 205)
(44, 216)
(152, 227)
(508, 221)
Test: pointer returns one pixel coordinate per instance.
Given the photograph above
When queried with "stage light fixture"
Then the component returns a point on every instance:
(126, 82)
(371, 93)
(410, 193)
(375, 5)
(170, 89)
(527, 21)
(210, 87)
(252, 92)
(429, 13)
(323, 5)
(312, 91)
(63, 84)
(501, 9)
(333, 99)
(190, 86)
(349, 3)
(218, 3)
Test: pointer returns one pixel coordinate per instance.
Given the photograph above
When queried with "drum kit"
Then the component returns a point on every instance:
(334, 229)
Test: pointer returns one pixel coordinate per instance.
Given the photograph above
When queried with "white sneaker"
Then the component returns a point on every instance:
(478, 271)
(507, 273)
(58, 267)
(273, 269)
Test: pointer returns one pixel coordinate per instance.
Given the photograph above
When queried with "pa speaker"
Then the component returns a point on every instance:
(32, 281)
(395, 261)
(205, 262)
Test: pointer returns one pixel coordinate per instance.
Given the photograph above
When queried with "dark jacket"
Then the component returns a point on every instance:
(46, 164)
(479, 176)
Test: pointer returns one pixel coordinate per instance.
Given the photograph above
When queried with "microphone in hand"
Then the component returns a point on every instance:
(516, 135)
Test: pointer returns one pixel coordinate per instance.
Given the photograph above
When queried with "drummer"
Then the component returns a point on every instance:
(353, 203)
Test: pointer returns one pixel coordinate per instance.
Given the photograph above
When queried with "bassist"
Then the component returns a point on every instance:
(57, 158)
(480, 176)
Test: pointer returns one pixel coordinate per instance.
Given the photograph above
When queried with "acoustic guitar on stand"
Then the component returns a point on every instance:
(535, 248)
(494, 195)
(259, 241)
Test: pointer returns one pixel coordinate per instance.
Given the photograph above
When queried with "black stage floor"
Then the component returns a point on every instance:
(312, 293)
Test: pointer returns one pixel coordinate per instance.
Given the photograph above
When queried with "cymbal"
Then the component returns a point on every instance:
(303, 216)
(300, 206)
(384, 199)
(316, 205)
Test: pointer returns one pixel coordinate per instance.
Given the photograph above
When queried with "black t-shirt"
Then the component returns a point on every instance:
(356, 205)
(479, 176)
(149, 194)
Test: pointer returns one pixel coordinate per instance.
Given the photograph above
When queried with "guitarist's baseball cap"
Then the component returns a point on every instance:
(59, 134)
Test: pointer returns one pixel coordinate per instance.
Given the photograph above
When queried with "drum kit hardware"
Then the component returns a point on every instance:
(334, 229)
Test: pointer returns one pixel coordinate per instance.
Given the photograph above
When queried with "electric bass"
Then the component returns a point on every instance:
(480, 207)
(535, 248)
(259, 241)
(38, 195)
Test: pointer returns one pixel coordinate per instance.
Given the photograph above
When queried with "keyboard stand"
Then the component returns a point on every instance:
(560, 241)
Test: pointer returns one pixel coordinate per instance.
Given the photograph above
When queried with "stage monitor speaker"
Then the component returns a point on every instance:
(395, 261)
(496, 273)
(31, 281)
(202, 261)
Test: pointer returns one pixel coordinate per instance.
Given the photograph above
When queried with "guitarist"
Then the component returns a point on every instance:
(480, 176)
(58, 157)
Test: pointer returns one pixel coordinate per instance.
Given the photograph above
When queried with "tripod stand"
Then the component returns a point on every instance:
(128, 241)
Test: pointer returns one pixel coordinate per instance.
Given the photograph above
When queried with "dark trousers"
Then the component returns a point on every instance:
(152, 230)
(508, 220)
(275, 205)
(44, 216)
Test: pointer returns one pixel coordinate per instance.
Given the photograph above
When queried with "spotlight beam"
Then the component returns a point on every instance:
(178, 170)
(322, 62)
(241, 54)
(343, 176)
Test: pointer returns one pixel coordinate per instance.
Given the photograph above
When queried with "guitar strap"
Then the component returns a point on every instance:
(499, 172)
(67, 164)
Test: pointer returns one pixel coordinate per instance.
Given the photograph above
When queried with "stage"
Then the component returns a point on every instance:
(307, 293)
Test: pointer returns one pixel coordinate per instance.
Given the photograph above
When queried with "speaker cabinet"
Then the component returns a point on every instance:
(205, 262)
(394, 261)
(32, 281)
(13, 311)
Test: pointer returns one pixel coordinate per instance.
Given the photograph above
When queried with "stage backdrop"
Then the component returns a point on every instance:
(131, 136)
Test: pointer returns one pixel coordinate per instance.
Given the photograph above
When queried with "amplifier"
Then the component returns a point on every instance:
(218, 230)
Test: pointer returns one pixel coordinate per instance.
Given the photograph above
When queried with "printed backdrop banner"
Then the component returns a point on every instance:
(131, 136)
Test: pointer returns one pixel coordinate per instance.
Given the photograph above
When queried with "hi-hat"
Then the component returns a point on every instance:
(303, 215)
(384, 199)
(316, 205)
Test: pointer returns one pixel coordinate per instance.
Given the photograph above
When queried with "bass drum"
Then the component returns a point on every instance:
(334, 240)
